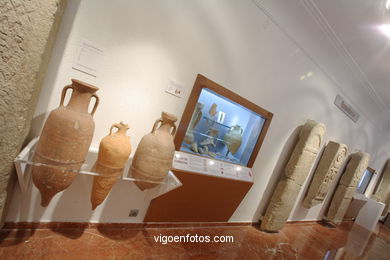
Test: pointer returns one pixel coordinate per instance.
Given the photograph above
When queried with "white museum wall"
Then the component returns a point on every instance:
(149, 43)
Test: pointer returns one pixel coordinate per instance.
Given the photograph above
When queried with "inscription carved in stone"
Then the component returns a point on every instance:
(383, 192)
(328, 167)
(295, 174)
(347, 186)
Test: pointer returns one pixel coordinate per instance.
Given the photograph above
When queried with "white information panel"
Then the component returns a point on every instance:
(89, 58)
(193, 163)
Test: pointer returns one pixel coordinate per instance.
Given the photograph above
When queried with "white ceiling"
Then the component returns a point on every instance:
(343, 39)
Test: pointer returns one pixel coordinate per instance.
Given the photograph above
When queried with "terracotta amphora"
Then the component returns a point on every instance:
(153, 157)
(196, 116)
(213, 110)
(114, 151)
(64, 141)
(233, 139)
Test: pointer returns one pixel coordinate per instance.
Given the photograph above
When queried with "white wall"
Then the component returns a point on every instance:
(148, 43)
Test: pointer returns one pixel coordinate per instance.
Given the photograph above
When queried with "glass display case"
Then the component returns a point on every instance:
(221, 125)
(217, 141)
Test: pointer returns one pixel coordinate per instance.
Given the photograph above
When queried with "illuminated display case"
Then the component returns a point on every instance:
(220, 124)
(217, 142)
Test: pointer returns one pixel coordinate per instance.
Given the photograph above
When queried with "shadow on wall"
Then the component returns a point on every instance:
(134, 200)
(110, 207)
(74, 197)
(36, 127)
(278, 171)
(55, 61)
(30, 209)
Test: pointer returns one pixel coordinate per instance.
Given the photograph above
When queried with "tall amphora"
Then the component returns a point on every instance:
(153, 157)
(114, 151)
(64, 142)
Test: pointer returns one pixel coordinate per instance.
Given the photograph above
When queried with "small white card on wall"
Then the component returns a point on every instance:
(89, 58)
(175, 89)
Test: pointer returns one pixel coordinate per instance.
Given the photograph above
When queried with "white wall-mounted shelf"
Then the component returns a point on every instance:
(24, 161)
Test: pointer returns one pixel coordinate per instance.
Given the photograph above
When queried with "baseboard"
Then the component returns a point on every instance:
(303, 221)
(85, 225)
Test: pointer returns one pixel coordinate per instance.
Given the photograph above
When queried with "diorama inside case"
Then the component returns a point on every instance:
(221, 128)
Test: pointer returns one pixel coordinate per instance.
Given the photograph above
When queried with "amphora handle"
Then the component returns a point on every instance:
(119, 126)
(173, 132)
(63, 94)
(97, 100)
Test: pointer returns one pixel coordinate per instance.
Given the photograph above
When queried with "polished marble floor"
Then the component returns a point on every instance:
(295, 241)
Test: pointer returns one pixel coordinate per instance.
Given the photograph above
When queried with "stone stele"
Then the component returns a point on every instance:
(295, 174)
(382, 194)
(346, 187)
(327, 169)
(27, 35)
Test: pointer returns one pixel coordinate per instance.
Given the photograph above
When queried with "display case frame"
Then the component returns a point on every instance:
(204, 83)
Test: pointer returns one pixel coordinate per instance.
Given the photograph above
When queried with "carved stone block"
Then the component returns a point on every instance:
(305, 151)
(383, 192)
(296, 172)
(340, 203)
(355, 169)
(282, 203)
(386, 201)
(327, 169)
(347, 186)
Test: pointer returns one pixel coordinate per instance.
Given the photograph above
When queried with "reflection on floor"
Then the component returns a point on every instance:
(295, 241)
